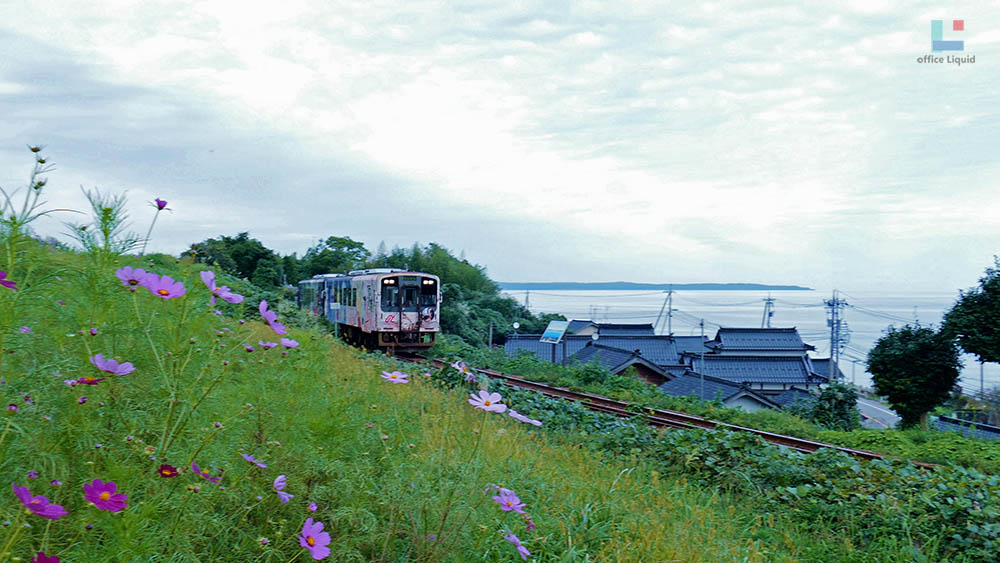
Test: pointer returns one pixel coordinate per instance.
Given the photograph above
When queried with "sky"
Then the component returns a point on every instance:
(548, 141)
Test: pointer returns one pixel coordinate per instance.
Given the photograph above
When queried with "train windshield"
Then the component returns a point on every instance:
(428, 293)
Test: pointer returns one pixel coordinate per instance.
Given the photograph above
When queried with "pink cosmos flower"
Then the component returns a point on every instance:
(248, 348)
(160, 204)
(529, 524)
(521, 550)
(395, 377)
(39, 505)
(315, 539)
(82, 400)
(111, 366)
(42, 558)
(104, 497)
(463, 368)
(518, 416)
(272, 319)
(5, 282)
(487, 401)
(253, 460)
(86, 380)
(204, 473)
(224, 293)
(266, 345)
(26, 330)
(509, 501)
(312, 507)
(164, 287)
(289, 343)
(131, 277)
(279, 487)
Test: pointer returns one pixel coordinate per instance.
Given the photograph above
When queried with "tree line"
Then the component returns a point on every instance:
(471, 301)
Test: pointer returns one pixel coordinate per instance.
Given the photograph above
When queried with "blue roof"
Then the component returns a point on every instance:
(759, 339)
(792, 395)
(659, 350)
(821, 366)
(608, 329)
(577, 325)
(759, 369)
(690, 344)
(692, 385)
(615, 359)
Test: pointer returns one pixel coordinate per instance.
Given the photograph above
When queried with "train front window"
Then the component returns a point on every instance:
(390, 298)
(410, 301)
(428, 294)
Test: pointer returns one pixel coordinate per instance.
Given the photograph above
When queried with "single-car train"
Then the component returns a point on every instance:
(384, 308)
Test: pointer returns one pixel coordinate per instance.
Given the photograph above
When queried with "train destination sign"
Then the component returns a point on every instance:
(554, 332)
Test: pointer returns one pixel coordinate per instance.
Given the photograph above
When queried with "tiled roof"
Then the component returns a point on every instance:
(577, 325)
(659, 350)
(821, 366)
(615, 359)
(793, 394)
(691, 385)
(607, 329)
(770, 339)
(789, 370)
(690, 344)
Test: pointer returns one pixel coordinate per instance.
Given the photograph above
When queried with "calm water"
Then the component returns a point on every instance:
(868, 315)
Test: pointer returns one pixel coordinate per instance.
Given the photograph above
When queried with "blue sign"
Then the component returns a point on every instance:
(554, 332)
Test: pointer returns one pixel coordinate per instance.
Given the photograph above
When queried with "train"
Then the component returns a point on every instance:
(377, 308)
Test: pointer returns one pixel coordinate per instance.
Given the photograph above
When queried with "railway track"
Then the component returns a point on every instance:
(656, 417)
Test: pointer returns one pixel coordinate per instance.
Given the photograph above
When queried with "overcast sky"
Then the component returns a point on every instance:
(581, 141)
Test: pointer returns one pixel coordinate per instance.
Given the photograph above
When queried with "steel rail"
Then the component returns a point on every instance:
(658, 417)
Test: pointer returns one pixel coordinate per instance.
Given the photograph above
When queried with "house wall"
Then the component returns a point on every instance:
(745, 403)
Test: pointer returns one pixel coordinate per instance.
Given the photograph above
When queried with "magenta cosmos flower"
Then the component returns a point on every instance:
(487, 401)
(208, 278)
(272, 319)
(161, 204)
(39, 505)
(279, 487)
(521, 550)
(42, 558)
(253, 460)
(131, 277)
(508, 501)
(204, 473)
(315, 539)
(164, 287)
(87, 380)
(518, 416)
(111, 366)
(395, 377)
(104, 497)
(5, 282)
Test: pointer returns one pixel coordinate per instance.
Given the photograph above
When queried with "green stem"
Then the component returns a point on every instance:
(15, 531)
(149, 232)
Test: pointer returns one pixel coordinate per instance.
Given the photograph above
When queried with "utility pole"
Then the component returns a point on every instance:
(669, 306)
(527, 299)
(490, 344)
(835, 304)
(768, 312)
(701, 370)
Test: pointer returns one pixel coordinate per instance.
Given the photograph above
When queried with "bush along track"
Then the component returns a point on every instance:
(949, 511)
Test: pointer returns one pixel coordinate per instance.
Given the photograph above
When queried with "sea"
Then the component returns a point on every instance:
(867, 315)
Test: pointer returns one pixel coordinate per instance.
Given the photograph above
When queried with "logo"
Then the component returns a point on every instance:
(937, 36)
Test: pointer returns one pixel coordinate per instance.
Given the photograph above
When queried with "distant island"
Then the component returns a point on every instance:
(647, 286)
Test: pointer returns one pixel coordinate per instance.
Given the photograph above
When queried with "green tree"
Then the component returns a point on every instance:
(973, 320)
(237, 256)
(914, 368)
(334, 255)
(837, 408)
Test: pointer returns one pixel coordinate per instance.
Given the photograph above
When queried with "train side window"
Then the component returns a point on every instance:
(354, 297)
(428, 296)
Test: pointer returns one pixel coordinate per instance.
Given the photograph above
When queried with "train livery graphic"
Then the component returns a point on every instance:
(384, 308)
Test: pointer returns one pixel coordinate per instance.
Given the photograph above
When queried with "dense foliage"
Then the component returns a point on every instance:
(972, 321)
(914, 368)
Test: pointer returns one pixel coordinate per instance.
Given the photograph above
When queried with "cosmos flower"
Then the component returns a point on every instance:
(131, 277)
(204, 473)
(271, 318)
(508, 501)
(38, 505)
(12, 408)
(315, 539)
(167, 471)
(463, 368)
(32, 474)
(266, 345)
(104, 497)
(289, 343)
(279, 487)
(395, 377)
(224, 293)
(312, 507)
(521, 550)
(487, 401)
(518, 416)
(42, 558)
(160, 204)
(248, 348)
(82, 400)
(26, 330)
(111, 366)
(88, 380)
(253, 460)
(5, 282)
(164, 287)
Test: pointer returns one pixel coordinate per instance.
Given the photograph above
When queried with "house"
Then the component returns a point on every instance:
(708, 388)
(758, 342)
(659, 350)
(768, 375)
(821, 366)
(617, 360)
(587, 328)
